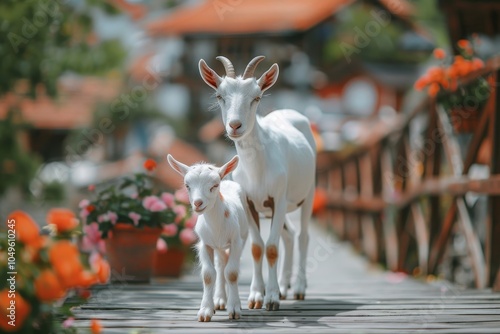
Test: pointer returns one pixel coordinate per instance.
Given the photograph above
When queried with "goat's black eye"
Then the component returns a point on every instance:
(187, 187)
(257, 99)
(219, 97)
(215, 186)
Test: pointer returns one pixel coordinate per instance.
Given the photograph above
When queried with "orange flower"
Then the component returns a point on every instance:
(439, 53)
(22, 310)
(320, 200)
(63, 219)
(47, 287)
(101, 268)
(422, 82)
(433, 89)
(477, 63)
(64, 257)
(95, 326)
(464, 44)
(86, 279)
(85, 294)
(27, 229)
(150, 164)
(436, 74)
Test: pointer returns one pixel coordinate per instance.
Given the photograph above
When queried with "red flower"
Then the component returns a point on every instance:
(439, 53)
(90, 208)
(463, 44)
(150, 165)
(91, 187)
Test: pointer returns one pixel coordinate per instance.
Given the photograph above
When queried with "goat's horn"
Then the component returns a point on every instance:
(228, 66)
(252, 65)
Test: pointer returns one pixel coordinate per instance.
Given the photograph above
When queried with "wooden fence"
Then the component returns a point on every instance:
(399, 197)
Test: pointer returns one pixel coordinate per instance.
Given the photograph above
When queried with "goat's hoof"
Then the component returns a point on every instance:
(282, 297)
(255, 300)
(220, 306)
(234, 315)
(254, 304)
(205, 314)
(220, 303)
(205, 318)
(272, 306)
(300, 296)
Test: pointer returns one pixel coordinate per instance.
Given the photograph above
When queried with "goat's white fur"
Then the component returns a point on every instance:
(222, 225)
(278, 162)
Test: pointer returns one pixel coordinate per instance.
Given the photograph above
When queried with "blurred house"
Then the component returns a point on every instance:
(294, 34)
(51, 120)
(96, 155)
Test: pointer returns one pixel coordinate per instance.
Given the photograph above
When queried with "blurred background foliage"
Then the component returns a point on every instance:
(40, 40)
(18, 166)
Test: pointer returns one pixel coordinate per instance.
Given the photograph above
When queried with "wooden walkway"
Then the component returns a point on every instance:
(345, 295)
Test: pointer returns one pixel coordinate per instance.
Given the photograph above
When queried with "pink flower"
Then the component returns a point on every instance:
(180, 211)
(187, 236)
(92, 241)
(113, 217)
(182, 195)
(135, 217)
(157, 206)
(102, 218)
(170, 230)
(68, 322)
(134, 195)
(148, 201)
(93, 258)
(84, 213)
(91, 187)
(168, 199)
(161, 245)
(191, 222)
(83, 203)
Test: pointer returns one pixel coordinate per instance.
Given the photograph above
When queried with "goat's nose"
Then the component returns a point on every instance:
(235, 125)
(198, 203)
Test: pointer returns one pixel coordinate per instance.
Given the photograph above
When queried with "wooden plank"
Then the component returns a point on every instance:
(345, 294)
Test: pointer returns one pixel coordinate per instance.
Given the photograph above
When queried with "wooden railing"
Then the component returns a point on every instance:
(399, 197)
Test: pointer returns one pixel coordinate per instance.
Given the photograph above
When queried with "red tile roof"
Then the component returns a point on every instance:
(246, 17)
(73, 107)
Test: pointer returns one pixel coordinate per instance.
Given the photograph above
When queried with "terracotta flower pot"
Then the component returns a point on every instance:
(130, 253)
(465, 120)
(169, 263)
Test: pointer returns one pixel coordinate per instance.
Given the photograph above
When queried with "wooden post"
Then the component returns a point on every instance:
(494, 201)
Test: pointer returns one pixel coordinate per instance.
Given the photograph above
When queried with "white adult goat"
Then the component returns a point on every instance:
(222, 225)
(277, 172)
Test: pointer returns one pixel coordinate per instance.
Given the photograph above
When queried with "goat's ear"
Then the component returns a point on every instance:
(268, 79)
(228, 167)
(208, 75)
(179, 167)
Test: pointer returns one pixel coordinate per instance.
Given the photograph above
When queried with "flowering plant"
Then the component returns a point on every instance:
(135, 201)
(442, 81)
(39, 271)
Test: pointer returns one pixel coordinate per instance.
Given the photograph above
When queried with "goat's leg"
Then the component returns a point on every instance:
(220, 282)
(256, 297)
(287, 235)
(231, 275)
(271, 299)
(208, 273)
(305, 216)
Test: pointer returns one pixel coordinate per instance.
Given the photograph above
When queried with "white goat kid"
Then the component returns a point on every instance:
(277, 172)
(222, 225)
